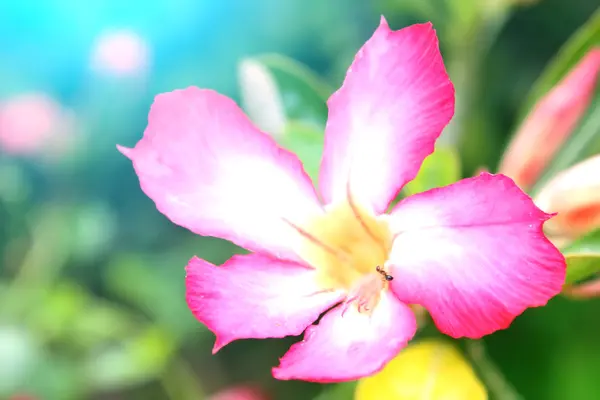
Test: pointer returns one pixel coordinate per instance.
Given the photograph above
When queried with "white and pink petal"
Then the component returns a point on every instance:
(210, 170)
(395, 101)
(474, 255)
(347, 344)
(254, 297)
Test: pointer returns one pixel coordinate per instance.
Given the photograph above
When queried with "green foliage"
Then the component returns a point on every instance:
(300, 91)
(133, 361)
(441, 168)
(306, 142)
(583, 257)
(586, 38)
(338, 391)
(583, 142)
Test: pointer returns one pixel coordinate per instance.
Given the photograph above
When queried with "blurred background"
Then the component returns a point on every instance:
(92, 275)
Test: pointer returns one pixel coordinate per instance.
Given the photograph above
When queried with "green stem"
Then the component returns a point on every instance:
(496, 383)
(44, 259)
(180, 382)
(468, 50)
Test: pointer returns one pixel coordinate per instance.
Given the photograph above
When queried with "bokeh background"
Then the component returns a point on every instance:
(92, 275)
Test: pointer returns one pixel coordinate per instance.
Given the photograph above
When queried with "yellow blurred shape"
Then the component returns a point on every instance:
(427, 370)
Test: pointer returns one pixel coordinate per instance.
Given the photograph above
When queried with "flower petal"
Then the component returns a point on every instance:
(210, 170)
(474, 255)
(348, 345)
(255, 296)
(574, 195)
(384, 120)
(551, 121)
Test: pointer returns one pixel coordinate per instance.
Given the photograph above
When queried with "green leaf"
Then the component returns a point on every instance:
(441, 168)
(338, 391)
(300, 91)
(306, 142)
(19, 354)
(583, 257)
(57, 375)
(143, 281)
(583, 142)
(137, 360)
(155, 283)
(584, 39)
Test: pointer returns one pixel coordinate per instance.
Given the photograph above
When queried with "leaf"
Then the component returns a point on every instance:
(583, 257)
(583, 142)
(429, 369)
(300, 91)
(155, 289)
(585, 38)
(261, 97)
(441, 168)
(338, 391)
(57, 375)
(306, 142)
(19, 354)
(137, 360)
(155, 283)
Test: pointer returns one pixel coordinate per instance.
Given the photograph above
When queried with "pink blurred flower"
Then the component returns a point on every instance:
(583, 291)
(550, 122)
(120, 53)
(33, 123)
(472, 253)
(23, 396)
(574, 195)
(240, 393)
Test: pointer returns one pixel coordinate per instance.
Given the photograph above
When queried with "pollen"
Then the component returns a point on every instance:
(349, 247)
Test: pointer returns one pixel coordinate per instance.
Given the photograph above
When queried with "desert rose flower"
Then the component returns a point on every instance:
(551, 122)
(472, 253)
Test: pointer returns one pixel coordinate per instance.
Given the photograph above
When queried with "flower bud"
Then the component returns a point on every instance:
(240, 393)
(34, 123)
(575, 195)
(551, 122)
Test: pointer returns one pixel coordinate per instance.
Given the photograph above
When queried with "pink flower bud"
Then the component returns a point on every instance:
(550, 122)
(240, 393)
(575, 195)
(33, 123)
(584, 291)
(23, 396)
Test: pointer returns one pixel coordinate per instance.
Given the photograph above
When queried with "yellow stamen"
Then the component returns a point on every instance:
(346, 245)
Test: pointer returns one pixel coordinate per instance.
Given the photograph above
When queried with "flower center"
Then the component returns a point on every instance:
(349, 247)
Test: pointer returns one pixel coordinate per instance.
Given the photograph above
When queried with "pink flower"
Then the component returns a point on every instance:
(472, 253)
(240, 393)
(120, 53)
(34, 123)
(551, 122)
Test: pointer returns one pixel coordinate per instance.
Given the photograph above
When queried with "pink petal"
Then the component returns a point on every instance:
(551, 121)
(574, 194)
(210, 170)
(255, 296)
(241, 392)
(348, 345)
(474, 255)
(386, 117)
